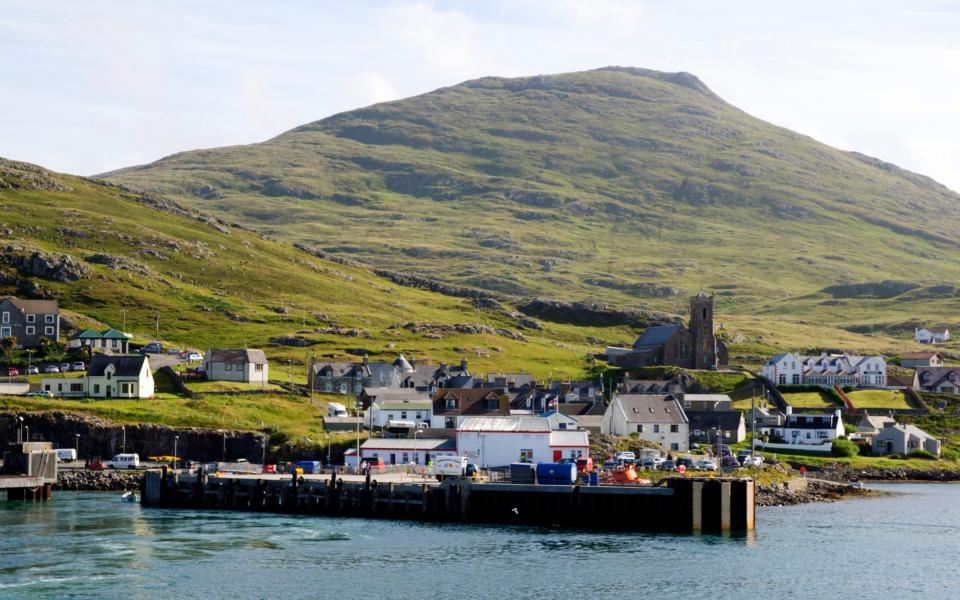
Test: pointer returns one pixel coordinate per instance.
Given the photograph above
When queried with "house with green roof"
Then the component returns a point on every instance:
(110, 341)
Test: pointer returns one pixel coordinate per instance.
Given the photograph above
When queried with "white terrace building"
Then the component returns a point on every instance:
(826, 370)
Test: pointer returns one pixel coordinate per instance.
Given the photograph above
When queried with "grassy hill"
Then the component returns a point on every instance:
(627, 186)
(112, 256)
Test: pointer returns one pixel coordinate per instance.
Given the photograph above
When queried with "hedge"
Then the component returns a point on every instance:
(844, 448)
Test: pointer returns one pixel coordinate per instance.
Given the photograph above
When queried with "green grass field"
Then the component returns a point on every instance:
(809, 400)
(879, 399)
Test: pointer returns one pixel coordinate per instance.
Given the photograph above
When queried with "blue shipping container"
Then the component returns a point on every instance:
(309, 467)
(556, 473)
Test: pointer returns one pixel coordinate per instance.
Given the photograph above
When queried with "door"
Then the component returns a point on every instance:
(393, 459)
(109, 391)
(557, 455)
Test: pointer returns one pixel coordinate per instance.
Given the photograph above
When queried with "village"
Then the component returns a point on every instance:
(408, 414)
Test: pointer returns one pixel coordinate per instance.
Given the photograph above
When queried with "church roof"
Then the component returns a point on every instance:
(656, 336)
(701, 294)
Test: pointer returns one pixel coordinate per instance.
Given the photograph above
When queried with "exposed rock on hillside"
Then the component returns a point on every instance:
(35, 263)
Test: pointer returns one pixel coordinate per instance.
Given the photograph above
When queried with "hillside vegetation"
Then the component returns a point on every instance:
(628, 186)
(112, 256)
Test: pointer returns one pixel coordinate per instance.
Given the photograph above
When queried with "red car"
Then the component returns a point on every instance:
(11, 371)
(269, 468)
(95, 464)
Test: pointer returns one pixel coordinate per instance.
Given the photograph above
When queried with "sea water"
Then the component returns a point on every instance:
(94, 545)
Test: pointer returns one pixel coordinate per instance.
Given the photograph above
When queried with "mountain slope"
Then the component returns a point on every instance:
(104, 251)
(624, 185)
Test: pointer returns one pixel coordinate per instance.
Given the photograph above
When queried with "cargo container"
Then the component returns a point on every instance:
(310, 467)
(556, 473)
(523, 473)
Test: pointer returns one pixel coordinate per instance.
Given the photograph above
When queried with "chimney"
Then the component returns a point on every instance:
(789, 410)
(463, 364)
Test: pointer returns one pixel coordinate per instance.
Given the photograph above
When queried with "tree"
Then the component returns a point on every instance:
(8, 344)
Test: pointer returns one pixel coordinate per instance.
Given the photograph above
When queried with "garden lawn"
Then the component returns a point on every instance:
(809, 400)
(879, 399)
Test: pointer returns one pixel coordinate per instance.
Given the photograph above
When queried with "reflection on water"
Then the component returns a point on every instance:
(94, 545)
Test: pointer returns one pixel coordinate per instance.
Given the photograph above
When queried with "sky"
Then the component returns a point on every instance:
(87, 87)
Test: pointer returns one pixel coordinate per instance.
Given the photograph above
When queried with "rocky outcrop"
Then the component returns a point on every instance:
(590, 313)
(843, 473)
(102, 438)
(36, 263)
(784, 494)
(879, 289)
(117, 262)
(97, 481)
(24, 176)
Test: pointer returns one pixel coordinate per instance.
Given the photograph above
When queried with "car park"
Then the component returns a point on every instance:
(51, 369)
(33, 370)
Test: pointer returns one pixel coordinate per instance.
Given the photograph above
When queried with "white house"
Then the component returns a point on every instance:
(402, 451)
(499, 441)
(398, 405)
(655, 418)
(932, 335)
(826, 370)
(245, 366)
(811, 428)
(126, 376)
(904, 439)
(559, 421)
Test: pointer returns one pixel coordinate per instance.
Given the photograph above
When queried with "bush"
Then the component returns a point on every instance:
(833, 395)
(849, 428)
(848, 388)
(844, 448)
(950, 454)
(920, 453)
(799, 388)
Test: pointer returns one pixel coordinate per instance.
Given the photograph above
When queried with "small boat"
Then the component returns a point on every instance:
(130, 497)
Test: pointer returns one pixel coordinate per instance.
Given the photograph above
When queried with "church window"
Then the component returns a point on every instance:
(704, 312)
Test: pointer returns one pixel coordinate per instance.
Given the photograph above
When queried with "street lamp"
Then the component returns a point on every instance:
(20, 431)
(224, 446)
(123, 442)
(76, 445)
(263, 452)
(176, 458)
(27, 427)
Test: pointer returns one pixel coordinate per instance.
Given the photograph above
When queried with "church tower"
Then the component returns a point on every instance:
(701, 332)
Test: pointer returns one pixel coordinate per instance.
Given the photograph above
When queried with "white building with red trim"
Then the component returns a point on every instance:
(499, 441)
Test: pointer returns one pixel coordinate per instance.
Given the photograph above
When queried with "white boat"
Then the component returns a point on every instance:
(130, 497)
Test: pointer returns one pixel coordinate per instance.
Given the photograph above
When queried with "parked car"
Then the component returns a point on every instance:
(269, 468)
(64, 367)
(686, 462)
(12, 371)
(152, 348)
(33, 370)
(627, 457)
(41, 394)
(706, 465)
(79, 366)
(51, 369)
(373, 462)
(752, 461)
(95, 464)
(194, 357)
(729, 462)
(125, 461)
(648, 463)
(172, 351)
(66, 454)
(584, 465)
(668, 465)
(610, 464)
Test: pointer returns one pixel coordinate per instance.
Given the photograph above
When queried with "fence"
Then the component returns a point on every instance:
(824, 448)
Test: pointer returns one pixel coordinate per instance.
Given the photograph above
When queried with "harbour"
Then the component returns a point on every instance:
(682, 505)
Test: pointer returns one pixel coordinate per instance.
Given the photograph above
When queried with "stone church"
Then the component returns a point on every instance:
(693, 347)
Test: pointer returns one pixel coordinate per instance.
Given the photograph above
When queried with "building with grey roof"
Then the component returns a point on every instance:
(904, 439)
(655, 418)
(240, 365)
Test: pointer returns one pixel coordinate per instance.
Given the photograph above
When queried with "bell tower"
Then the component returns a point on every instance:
(701, 331)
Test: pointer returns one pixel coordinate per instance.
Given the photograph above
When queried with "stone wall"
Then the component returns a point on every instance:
(101, 438)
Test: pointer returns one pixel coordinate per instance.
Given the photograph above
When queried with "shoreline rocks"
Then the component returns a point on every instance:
(97, 481)
(812, 491)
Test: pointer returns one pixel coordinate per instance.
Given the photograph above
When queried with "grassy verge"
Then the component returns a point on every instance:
(879, 399)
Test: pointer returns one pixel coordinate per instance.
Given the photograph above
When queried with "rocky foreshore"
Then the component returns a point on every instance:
(843, 473)
(98, 481)
(802, 492)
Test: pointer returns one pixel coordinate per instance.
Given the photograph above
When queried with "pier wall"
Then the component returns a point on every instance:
(683, 505)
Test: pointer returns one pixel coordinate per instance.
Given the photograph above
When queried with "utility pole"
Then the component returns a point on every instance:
(158, 327)
(310, 360)
(123, 443)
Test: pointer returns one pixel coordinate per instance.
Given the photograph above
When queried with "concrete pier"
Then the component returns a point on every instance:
(682, 505)
(29, 471)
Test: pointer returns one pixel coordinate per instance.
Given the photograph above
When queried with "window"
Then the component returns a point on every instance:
(328, 387)
(228, 366)
(492, 404)
(31, 318)
(75, 387)
(47, 387)
(109, 375)
(674, 428)
(794, 434)
(258, 368)
(656, 428)
(674, 446)
(822, 435)
(562, 425)
(809, 436)
(60, 387)
(48, 330)
(640, 428)
(5, 332)
(403, 415)
(96, 388)
(450, 422)
(451, 403)
(406, 457)
(31, 330)
(526, 455)
(48, 318)
(6, 317)
(781, 379)
(796, 379)
(126, 388)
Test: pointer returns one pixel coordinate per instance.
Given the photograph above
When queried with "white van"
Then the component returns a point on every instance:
(66, 454)
(335, 409)
(125, 461)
